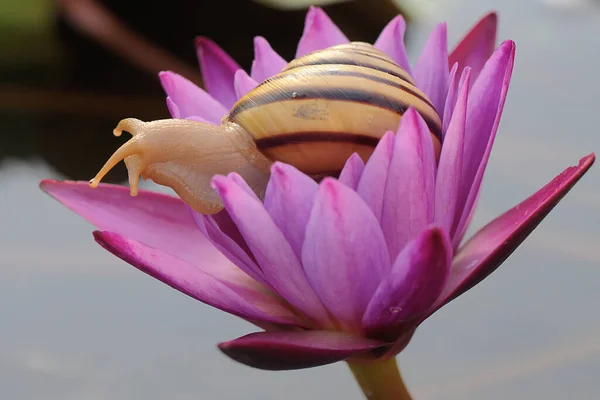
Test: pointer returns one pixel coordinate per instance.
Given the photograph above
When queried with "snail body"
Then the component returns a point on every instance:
(314, 114)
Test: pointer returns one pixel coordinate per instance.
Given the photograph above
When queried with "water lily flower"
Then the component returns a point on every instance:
(349, 267)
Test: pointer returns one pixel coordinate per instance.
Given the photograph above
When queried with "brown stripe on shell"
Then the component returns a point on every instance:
(338, 93)
(304, 137)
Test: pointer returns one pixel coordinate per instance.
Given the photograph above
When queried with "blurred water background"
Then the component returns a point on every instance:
(77, 323)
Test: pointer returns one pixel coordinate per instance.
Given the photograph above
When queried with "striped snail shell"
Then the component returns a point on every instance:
(314, 114)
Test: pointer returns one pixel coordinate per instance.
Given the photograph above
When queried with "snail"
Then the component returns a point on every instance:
(314, 114)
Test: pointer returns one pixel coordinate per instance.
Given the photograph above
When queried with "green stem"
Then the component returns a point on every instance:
(380, 380)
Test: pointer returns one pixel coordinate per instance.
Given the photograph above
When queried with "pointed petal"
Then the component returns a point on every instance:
(485, 106)
(352, 171)
(266, 60)
(453, 86)
(190, 99)
(416, 280)
(448, 181)
(372, 182)
(155, 220)
(288, 200)
(431, 71)
(477, 45)
(494, 243)
(319, 32)
(295, 350)
(391, 42)
(245, 301)
(344, 252)
(408, 205)
(243, 83)
(218, 70)
(272, 251)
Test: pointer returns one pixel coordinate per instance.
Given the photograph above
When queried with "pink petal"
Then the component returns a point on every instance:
(319, 33)
(413, 285)
(155, 220)
(173, 109)
(431, 70)
(239, 299)
(408, 201)
(391, 42)
(296, 350)
(448, 180)
(453, 86)
(477, 45)
(485, 105)
(243, 83)
(352, 171)
(272, 251)
(372, 181)
(494, 243)
(190, 99)
(344, 252)
(266, 60)
(218, 70)
(288, 200)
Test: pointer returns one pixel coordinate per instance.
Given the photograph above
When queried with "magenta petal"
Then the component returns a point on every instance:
(236, 297)
(485, 105)
(352, 171)
(243, 83)
(289, 199)
(494, 243)
(372, 182)
(431, 71)
(272, 251)
(266, 60)
(190, 99)
(173, 109)
(296, 350)
(218, 70)
(156, 220)
(453, 86)
(477, 45)
(319, 33)
(413, 285)
(391, 42)
(448, 180)
(344, 252)
(408, 205)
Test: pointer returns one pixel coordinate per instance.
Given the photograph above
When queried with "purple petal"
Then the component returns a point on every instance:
(391, 42)
(352, 171)
(243, 83)
(408, 205)
(272, 251)
(431, 70)
(453, 86)
(173, 109)
(477, 45)
(413, 285)
(218, 70)
(289, 199)
(296, 350)
(344, 252)
(224, 235)
(372, 182)
(266, 60)
(485, 105)
(155, 220)
(448, 181)
(190, 99)
(247, 301)
(494, 243)
(319, 33)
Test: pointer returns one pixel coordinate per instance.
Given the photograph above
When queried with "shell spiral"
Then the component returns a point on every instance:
(328, 104)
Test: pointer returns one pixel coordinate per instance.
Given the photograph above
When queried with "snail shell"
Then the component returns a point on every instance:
(314, 114)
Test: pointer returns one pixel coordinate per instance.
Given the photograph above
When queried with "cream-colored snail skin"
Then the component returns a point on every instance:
(314, 114)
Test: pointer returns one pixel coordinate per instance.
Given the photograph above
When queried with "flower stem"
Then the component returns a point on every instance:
(380, 380)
